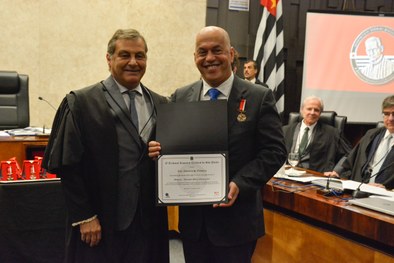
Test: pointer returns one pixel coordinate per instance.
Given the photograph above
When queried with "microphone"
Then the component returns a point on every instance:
(328, 183)
(41, 98)
(360, 194)
(326, 191)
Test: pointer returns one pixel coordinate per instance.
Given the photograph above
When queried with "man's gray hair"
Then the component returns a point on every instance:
(130, 34)
(313, 98)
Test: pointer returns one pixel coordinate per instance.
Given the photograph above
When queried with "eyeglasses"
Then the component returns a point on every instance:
(387, 114)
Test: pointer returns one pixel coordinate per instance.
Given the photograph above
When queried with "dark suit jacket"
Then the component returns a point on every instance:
(325, 150)
(256, 152)
(260, 83)
(83, 151)
(355, 164)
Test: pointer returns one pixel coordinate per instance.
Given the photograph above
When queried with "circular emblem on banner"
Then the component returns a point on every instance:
(368, 58)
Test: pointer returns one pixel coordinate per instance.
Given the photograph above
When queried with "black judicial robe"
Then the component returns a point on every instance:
(83, 147)
(355, 164)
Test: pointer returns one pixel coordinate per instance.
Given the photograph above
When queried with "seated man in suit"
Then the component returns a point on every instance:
(372, 160)
(319, 145)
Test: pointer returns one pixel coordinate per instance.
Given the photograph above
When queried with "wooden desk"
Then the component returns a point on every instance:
(302, 226)
(22, 147)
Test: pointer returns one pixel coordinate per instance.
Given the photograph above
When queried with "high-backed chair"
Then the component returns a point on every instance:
(327, 117)
(14, 100)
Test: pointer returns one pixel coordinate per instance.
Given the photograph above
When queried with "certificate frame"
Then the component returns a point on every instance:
(192, 179)
(192, 132)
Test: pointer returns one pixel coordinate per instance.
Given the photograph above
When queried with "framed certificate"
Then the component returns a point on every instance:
(193, 165)
(192, 178)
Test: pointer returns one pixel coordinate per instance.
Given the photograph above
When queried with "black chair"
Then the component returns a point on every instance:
(14, 100)
(327, 117)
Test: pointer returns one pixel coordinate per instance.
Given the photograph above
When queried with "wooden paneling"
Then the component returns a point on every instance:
(290, 240)
(302, 226)
(367, 225)
(20, 146)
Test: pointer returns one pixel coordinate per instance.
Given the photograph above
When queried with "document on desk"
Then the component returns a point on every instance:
(353, 185)
(375, 190)
(4, 134)
(193, 165)
(301, 176)
(377, 203)
(30, 131)
(365, 187)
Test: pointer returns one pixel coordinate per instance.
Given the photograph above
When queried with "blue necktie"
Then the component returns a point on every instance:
(213, 93)
(133, 109)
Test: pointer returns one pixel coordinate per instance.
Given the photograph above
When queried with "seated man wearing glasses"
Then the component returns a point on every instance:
(372, 160)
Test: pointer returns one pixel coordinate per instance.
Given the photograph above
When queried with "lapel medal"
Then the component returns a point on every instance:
(242, 116)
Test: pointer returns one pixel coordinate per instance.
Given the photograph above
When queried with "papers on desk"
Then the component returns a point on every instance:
(298, 175)
(352, 185)
(376, 190)
(4, 134)
(301, 179)
(29, 131)
(293, 172)
(336, 184)
(376, 203)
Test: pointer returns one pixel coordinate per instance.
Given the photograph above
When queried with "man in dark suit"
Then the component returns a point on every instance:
(319, 145)
(227, 232)
(98, 147)
(372, 160)
(251, 70)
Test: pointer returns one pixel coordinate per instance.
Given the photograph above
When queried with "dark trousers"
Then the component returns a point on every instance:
(203, 251)
(131, 245)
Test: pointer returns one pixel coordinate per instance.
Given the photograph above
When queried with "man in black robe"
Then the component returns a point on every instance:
(372, 159)
(98, 149)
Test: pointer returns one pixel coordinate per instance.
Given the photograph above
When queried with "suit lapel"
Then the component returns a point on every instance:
(295, 133)
(374, 144)
(195, 92)
(116, 102)
(154, 100)
(115, 94)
